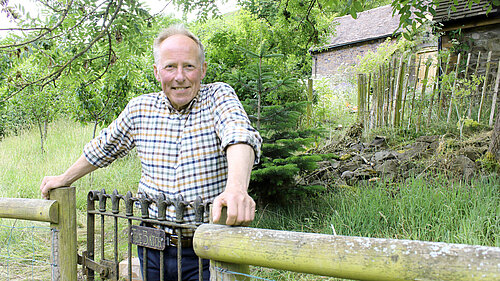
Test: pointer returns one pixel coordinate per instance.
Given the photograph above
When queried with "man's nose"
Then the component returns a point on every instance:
(179, 74)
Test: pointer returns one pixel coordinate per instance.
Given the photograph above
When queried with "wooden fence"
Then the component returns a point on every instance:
(358, 258)
(408, 93)
(60, 212)
(234, 248)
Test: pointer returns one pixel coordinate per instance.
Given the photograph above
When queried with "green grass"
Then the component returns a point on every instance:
(431, 208)
(20, 252)
(435, 209)
(23, 165)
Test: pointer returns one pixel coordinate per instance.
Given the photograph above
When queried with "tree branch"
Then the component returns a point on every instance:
(49, 30)
(54, 75)
(110, 51)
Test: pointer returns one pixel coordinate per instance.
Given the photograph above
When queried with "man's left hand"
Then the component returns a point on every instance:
(240, 207)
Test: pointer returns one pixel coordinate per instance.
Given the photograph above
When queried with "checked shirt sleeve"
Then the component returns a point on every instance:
(231, 121)
(113, 142)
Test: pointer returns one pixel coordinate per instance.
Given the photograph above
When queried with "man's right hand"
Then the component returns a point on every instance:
(51, 182)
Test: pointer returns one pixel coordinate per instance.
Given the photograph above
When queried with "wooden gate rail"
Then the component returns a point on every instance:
(357, 258)
(60, 212)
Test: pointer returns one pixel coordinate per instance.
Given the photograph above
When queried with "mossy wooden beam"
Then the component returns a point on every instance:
(29, 209)
(223, 270)
(357, 258)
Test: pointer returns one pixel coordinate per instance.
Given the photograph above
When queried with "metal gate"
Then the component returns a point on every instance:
(130, 218)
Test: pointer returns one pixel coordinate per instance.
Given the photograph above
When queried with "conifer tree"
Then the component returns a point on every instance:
(284, 155)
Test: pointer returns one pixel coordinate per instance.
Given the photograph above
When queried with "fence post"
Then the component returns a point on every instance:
(309, 100)
(452, 97)
(485, 84)
(398, 93)
(64, 236)
(223, 271)
(495, 95)
(361, 97)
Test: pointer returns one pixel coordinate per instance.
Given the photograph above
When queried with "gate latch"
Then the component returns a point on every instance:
(106, 268)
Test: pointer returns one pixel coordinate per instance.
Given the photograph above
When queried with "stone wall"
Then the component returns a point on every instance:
(333, 62)
(478, 39)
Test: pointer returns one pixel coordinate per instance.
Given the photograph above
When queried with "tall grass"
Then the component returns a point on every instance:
(23, 165)
(22, 168)
(433, 209)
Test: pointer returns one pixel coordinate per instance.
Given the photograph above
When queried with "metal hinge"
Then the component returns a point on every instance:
(105, 268)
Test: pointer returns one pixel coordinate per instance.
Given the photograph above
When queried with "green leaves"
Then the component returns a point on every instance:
(77, 33)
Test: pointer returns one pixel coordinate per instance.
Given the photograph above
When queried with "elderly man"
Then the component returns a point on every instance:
(192, 140)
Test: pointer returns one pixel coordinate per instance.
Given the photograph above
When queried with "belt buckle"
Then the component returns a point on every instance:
(173, 240)
(168, 240)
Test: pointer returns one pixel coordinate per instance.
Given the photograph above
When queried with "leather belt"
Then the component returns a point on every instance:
(186, 242)
(172, 239)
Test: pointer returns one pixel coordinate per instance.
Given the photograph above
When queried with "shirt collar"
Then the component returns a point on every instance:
(164, 101)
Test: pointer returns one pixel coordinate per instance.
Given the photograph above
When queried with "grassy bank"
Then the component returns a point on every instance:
(434, 209)
(429, 208)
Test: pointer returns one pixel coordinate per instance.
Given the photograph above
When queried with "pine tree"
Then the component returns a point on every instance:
(284, 155)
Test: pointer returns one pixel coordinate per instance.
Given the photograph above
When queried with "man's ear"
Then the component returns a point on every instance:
(155, 71)
(204, 70)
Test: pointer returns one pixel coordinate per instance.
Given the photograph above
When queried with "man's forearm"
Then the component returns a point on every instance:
(79, 169)
(240, 206)
(240, 159)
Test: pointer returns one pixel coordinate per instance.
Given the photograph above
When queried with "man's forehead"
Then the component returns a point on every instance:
(179, 40)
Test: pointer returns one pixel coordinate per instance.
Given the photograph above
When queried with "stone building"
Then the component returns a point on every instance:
(471, 30)
(352, 39)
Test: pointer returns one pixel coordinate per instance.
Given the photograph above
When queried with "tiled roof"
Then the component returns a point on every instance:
(445, 13)
(372, 24)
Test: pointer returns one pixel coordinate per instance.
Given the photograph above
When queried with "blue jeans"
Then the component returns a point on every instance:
(189, 264)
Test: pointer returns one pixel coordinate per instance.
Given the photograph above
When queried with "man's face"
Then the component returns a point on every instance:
(179, 69)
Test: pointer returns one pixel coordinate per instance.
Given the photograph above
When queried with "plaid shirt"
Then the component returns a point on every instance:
(181, 152)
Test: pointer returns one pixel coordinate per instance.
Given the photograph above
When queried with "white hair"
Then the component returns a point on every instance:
(174, 30)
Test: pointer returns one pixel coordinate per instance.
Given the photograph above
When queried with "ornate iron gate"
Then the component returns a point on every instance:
(152, 236)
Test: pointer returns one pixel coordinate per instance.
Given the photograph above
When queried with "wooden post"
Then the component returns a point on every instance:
(398, 93)
(405, 89)
(441, 93)
(361, 96)
(414, 90)
(390, 93)
(469, 113)
(383, 87)
(358, 258)
(495, 96)
(367, 121)
(422, 94)
(373, 110)
(434, 89)
(483, 93)
(453, 90)
(477, 62)
(64, 236)
(309, 101)
(222, 270)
